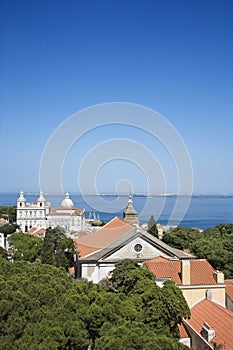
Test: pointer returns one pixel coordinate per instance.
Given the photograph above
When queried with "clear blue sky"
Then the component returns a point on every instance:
(58, 57)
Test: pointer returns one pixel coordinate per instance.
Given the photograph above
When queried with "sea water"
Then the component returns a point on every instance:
(203, 210)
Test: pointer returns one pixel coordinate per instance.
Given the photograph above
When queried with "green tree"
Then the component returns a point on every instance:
(134, 336)
(175, 306)
(33, 313)
(3, 253)
(182, 237)
(9, 213)
(214, 244)
(152, 302)
(41, 307)
(119, 279)
(25, 246)
(152, 227)
(48, 248)
(57, 248)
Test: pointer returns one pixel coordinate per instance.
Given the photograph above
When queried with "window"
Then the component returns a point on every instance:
(138, 248)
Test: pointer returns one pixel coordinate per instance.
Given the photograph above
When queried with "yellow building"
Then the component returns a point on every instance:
(195, 277)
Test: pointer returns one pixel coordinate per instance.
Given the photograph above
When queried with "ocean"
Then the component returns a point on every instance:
(202, 212)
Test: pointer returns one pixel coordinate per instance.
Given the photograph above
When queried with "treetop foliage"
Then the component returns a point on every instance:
(55, 249)
(7, 229)
(152, 227)
(42, 307)
(9, 213)
(214, 244)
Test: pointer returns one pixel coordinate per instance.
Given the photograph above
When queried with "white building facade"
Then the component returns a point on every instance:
(40, 214)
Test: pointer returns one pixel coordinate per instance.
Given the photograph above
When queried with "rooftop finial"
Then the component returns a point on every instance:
(130, 213)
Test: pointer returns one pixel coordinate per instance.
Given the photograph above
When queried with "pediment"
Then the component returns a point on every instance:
(137, 249)
(139, 246)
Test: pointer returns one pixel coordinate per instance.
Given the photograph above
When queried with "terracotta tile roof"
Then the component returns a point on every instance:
(183, 332)
(218, 317)
(3, 221)
(97, 240)
(229, 288)
(39, 231)
(201, 272)
(165, 268)
(32, 229)
(82, 233)
(36, 231)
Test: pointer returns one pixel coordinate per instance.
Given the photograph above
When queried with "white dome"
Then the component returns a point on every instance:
(67, 202)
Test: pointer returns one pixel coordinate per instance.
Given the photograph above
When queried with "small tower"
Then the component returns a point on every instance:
(41, 200)
(130, 214)
(21, 202)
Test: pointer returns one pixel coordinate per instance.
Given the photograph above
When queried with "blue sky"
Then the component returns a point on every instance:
(58, 57)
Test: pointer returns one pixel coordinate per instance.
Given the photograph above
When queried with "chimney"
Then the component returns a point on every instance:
(209, 294)
(219, 276)
(185, 271)
(207, 332)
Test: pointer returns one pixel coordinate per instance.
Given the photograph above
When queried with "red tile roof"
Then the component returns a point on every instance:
(183, 332)
(32, 229)
(37, 231)
(229, 288)
(201, 272)
(97, 240)
(218, 317)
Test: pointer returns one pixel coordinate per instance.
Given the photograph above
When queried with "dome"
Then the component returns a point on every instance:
(67, 202)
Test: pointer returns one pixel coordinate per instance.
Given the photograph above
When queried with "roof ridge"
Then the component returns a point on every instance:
(122, 220)
(224, 309)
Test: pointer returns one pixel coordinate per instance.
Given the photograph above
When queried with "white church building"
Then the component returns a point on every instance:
(39, 214)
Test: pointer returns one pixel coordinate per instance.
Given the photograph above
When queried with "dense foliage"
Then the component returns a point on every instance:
(43, 308)
(152, 227)
(8, 213)
(55, 249)
(25, 246)
(214, 244)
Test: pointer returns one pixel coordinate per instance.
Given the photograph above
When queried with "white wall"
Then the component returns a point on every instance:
(2, 242)
(128, 251)
(96, 273)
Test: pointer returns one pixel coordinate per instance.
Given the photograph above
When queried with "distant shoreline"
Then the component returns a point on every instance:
(204, 210)
(148, 195)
